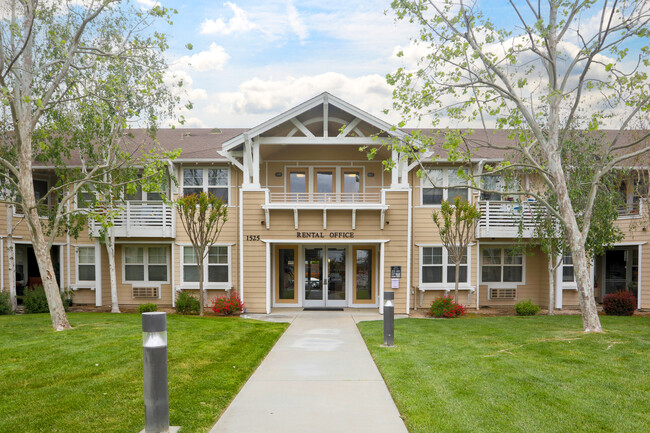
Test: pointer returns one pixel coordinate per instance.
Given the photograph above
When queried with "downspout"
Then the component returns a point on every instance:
(241, 242)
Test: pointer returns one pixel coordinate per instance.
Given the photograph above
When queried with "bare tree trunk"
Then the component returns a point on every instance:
(11, 259)
(551, 283)
(199, 263)
(457, 282)
(590, 320)
(110, 250)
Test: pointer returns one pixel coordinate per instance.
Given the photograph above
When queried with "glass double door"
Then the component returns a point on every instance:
(325, 277)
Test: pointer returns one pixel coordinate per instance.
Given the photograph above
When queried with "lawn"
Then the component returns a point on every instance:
(517, 374)
(89, 379)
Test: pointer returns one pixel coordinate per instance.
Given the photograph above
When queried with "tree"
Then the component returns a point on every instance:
(455, 224)
(56, 61)
(541, 78)
(203, 216)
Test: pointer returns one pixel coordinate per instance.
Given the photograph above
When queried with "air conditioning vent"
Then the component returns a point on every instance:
(503, 293)
(145, 292)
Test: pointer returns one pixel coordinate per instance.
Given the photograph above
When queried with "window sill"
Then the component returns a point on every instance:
(446, 287)
(82, 286)
(206, 286)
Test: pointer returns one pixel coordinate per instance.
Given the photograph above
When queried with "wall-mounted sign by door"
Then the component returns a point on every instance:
(396, 272)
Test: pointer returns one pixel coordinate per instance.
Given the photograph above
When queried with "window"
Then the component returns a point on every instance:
(501, 265)
(86, 264)
(211, 180)
(442, 184)
(145, 264)
(41, 187)
(491, 182)
(216, 270)
(438, 268)
(567, 268)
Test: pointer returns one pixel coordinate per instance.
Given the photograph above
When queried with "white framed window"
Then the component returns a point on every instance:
(568, 275)
(86, 264)
(441, 184)
(214, 181)
(502, 265)
(141, 195)
(438, 270)
(145, 264)
(216, 269)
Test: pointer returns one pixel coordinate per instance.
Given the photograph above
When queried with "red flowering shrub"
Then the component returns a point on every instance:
(228, 305)
(446, 307)
(619, 304)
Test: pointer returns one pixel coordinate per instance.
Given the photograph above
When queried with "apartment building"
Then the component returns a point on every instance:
(313, 222)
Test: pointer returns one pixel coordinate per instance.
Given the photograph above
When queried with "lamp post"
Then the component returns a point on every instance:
(389, 319)
(154, 358)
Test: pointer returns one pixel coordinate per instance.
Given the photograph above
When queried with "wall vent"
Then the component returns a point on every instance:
(145, 292)
(503, 293)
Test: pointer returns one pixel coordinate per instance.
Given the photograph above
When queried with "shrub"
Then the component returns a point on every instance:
(35, 300)
(5, 304)
(147, 308)
(619, 304)
(526, 308)
(187, 304)
(228, 305)
(446, 307)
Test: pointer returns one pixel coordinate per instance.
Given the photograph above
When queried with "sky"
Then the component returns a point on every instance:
(252, 60)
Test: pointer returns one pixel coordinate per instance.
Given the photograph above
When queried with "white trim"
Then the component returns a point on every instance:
(478, 270)
(98, 274)
(173, 275)
(85, 284)
(222, 285)
(205, 185)
(241, 244)
(409, 251)
(145, 264)
(323, 98)
(444, 187)
(2, 265)
(445, 265)
(317, 241)
(639, 280)
(381, 278)
(501, 284)
(269, 285)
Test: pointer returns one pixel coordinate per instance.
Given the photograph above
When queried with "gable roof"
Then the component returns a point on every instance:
(323, 98)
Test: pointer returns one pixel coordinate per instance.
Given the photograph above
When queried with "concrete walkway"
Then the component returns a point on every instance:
(319, 377)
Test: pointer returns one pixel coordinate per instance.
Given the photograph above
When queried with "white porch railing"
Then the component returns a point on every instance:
(506, 218)
(142, 219)
(630, 210)
(325, 198)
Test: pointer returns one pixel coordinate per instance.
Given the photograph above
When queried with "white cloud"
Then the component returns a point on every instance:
(296, 23)
(239, 22)
(258, 99)
(213, 59)
(148, 3)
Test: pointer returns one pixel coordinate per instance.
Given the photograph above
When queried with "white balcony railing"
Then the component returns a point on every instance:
(630, 210)
(507, 218)
(142, 219)
(325, 198)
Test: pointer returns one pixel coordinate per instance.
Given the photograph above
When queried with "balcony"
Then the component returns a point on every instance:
(630, 210)
(325, 201)
(505, 219)
(142, 219)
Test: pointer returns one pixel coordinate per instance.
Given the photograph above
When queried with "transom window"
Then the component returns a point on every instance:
(210, 180)
(216, 269)
(86, 264)
(442, 184)
(145, 264)
(437, 266)
(501, 265)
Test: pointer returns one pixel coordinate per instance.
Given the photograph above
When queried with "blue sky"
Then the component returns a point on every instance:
(251, 60)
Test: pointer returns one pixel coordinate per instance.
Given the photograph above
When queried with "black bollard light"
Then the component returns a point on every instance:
(389, 319)
(154, 358)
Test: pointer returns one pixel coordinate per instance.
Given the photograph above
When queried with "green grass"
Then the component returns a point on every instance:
(517, 374)
(89, 379)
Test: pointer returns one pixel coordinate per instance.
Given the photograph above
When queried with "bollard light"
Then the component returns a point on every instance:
(154, 358)
(389, 319)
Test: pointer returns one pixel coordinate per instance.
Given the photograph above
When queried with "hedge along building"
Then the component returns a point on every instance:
(314, 223)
